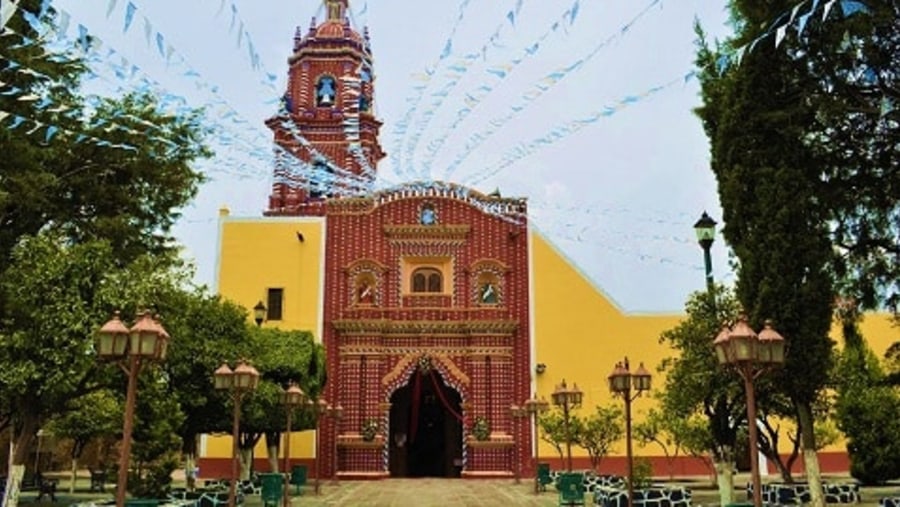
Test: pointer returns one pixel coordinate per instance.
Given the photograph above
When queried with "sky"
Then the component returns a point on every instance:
(582, 106)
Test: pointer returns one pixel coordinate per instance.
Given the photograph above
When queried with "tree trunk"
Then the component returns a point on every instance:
(19, 454)
(810, 457)
(725, 481)
(73, 475)
(246, 463)
(272, 440)
(13, 483)
(272, 455)
(190, 471)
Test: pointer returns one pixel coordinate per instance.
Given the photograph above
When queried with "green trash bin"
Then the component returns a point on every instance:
(543, 476)
(571, 488)
(272, 488)
(141, 502)
(298, 477)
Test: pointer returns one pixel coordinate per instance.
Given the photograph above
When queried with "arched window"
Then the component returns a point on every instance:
(427, 280)
(325, 91)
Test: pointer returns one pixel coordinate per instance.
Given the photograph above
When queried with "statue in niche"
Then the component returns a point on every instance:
(366, 293)
(487, 293)
(325, 91)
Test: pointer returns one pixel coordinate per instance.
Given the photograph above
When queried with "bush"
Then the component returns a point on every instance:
(642, 473)
(154, 481)
(867, 414)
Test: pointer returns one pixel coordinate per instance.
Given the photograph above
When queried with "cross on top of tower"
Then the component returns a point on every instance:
(336, 9)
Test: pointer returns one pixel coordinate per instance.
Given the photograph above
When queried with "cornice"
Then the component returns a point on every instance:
(371, 327)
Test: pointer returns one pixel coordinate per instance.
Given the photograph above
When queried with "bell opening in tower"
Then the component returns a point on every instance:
(426, 438)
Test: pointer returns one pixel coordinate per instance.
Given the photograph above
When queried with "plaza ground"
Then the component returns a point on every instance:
(450, 493)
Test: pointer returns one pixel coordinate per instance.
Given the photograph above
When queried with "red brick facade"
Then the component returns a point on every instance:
(426, 297)
(477, 346)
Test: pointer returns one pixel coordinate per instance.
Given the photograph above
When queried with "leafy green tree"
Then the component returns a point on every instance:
(557, 433)
(665, 432)
(207, 331)
(599, 431)
(280, 357)
(57, 293)
(158, 418)
(867, 409)
(696, 385)
(102, 191)
(88, 417)
(770, 184)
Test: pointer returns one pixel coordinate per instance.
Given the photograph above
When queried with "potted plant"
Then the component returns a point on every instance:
(369, 429)
(481, 430)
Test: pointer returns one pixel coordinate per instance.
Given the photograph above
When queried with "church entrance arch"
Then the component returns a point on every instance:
(426, 430)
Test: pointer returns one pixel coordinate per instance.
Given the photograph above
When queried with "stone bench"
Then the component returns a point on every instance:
(777, 493)
(593, 481)
(654, 496)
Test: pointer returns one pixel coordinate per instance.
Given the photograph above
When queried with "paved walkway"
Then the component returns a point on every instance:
(427, 492)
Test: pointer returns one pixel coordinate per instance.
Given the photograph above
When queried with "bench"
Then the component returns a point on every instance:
(37, 482)
(98, 481)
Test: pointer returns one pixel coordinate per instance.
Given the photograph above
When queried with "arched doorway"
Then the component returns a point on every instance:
(426, 428)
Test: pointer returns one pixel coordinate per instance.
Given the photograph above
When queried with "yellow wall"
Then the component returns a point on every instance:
(577, 331)
(580, 334)
(260, 253)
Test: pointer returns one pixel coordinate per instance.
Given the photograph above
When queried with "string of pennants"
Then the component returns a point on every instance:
(539, 89)
(235, 131)
(473, 97)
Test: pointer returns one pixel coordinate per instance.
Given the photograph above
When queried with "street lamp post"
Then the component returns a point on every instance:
(517, 412)
(629, 386)
(706, 234)
(319, 408)
(567, 399)
(335, 413)
(536, 407)
(750, 354)
(237, 382)
(293, 397)
(146, 340)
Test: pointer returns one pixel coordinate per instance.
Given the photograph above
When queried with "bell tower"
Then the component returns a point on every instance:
(326, 133)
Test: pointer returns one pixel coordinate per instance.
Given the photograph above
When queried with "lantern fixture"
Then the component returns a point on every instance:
(259, 313)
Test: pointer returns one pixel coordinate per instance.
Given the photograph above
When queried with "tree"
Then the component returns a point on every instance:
(555, 432)
(99, 191)
(599, 431)
(281, 357)
(772, 196)
(666, 432)
(207, 331)
(695, 384)
(57, 294)
(119, 170)
(93, 415)
(867, 409)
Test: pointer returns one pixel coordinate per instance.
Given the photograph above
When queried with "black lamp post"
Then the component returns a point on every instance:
(536, 407)
(237, 382)
(629, 386)
(293, 397)
(706, 234)
(567, 399)
(259, 313)
(750, 354)
(146, 340)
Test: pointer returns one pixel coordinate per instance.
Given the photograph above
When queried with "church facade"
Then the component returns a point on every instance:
(439, 307)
